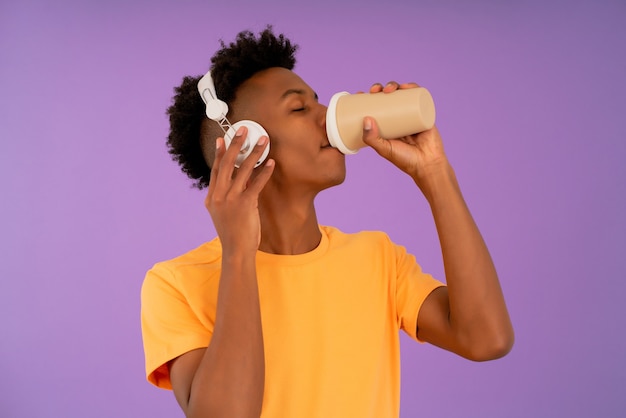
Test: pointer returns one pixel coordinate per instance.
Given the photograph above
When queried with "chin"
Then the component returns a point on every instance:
(335, 177)
(337, 182)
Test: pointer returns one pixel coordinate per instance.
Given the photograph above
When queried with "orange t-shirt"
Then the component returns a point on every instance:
(331, 321)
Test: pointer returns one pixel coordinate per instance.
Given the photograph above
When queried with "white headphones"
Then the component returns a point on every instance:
(216, 110)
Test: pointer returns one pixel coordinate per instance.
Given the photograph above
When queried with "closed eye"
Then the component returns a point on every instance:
(300, 109)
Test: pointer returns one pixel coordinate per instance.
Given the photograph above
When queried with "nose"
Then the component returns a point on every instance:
(322, 109)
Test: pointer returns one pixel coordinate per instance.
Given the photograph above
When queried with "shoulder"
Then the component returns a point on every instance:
(335, 234)
(199, 261)
(374, 239)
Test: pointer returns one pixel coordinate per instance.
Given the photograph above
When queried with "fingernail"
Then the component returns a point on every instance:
(367, 124)
(218, 144)
(239, 131)
(262, 140)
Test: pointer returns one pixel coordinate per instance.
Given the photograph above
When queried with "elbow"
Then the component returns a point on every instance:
(492, 348)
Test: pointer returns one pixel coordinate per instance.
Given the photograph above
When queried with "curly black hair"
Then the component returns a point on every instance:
(231, 66)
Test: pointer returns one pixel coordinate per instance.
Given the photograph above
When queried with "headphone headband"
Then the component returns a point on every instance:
(215, 108)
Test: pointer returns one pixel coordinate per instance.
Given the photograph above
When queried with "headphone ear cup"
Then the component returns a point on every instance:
(255, 132)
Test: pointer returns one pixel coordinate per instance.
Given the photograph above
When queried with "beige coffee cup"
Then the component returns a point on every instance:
(403, 112)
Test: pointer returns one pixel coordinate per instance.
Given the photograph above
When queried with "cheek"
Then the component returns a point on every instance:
(292, 146)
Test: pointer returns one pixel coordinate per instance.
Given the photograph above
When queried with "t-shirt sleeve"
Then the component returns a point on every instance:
(412, 288)
(168, 324)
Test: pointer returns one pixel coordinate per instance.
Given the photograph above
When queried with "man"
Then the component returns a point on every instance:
(282, 317)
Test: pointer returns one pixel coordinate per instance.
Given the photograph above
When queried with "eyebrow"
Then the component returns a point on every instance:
(296, 91)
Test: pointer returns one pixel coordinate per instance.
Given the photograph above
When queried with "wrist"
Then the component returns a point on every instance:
(437, 181)
(238, 257)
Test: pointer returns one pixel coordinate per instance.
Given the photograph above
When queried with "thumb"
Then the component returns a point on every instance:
(371, 136)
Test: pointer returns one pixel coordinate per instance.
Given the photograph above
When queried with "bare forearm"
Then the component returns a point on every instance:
(230, 378)
(478, 315)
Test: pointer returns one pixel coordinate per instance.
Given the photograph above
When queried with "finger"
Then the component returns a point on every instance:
(376, 88)
(245, 170)
(230, 155)
(371, 136)
(225, 164)
(408, 85)
(260, 180)
(390, 87)
(215, 168)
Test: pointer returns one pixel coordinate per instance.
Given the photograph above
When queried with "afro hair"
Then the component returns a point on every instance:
(231, 66)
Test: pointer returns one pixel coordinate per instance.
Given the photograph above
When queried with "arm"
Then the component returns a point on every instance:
(227, 378)
(469, 317)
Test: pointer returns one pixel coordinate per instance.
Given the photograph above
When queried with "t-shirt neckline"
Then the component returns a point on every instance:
(283, 259)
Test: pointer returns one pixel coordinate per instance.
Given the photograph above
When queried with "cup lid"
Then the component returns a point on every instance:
(332, 129)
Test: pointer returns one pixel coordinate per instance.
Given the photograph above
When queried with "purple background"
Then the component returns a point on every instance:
(531, 106)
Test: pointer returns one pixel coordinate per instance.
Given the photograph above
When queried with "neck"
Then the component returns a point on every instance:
(288, 226)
